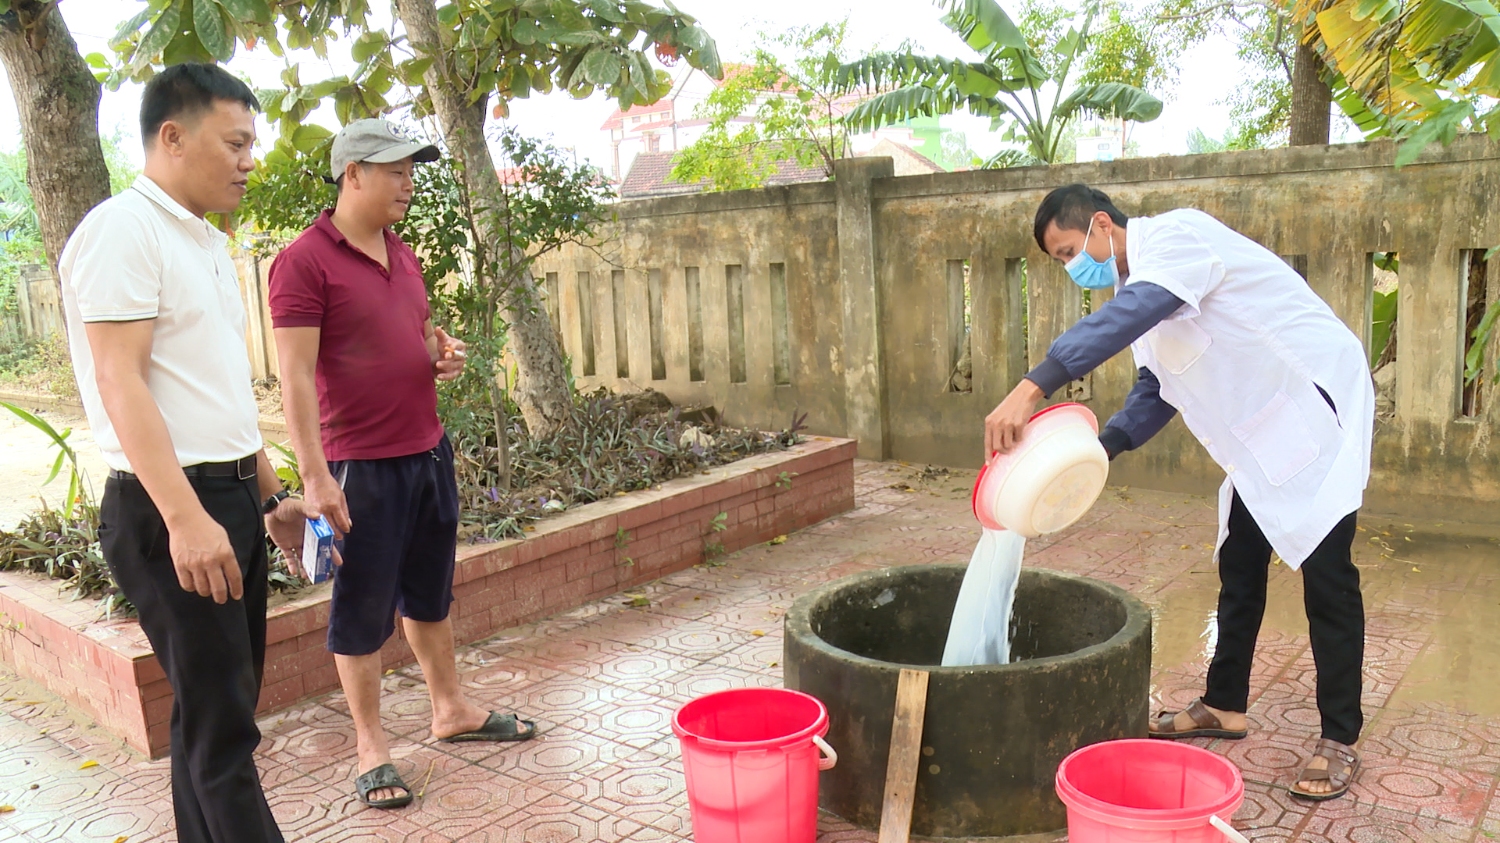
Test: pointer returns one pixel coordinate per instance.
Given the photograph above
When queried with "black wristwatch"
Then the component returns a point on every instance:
(274, 501)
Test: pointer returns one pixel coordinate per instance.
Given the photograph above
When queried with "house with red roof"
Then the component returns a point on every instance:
(644, 139)
(664, 126)
(670, 124)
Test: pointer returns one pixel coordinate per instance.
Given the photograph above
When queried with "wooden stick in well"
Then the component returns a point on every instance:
(906, 754)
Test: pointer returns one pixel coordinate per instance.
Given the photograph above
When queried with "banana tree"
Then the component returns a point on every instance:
(1028, 98)
(1421, 70)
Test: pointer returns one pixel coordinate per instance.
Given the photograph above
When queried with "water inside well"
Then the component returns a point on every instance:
(907, 622)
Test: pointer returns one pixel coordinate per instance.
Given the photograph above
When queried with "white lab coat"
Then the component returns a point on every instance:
(1241, 361)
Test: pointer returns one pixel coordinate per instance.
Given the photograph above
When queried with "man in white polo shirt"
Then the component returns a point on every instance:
(157, 335)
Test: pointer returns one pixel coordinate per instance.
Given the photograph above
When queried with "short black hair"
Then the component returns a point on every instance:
(187, 90)
(1071, 208)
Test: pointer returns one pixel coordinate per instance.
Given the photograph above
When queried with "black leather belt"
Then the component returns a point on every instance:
(240, 469)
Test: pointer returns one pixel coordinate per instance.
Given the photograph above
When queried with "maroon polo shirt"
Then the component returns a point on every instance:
(376, 395)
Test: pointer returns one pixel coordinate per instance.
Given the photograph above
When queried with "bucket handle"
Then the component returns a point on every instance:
(830, 758)
(1226, 829)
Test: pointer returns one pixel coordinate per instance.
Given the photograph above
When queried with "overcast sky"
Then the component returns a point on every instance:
(1208, 72)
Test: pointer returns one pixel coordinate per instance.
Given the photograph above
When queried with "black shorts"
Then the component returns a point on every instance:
(399, 554)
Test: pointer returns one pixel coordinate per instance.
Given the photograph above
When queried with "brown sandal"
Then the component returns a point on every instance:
(1207, 725)
(1337, 754)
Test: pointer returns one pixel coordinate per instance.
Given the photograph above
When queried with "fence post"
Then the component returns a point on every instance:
(864, 376)
(23, 306)
(39, 301)
(253, 297)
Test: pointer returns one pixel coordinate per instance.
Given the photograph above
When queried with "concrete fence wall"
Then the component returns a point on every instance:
(260, 343)
(854, 301)
(38, 306)
(40, 315)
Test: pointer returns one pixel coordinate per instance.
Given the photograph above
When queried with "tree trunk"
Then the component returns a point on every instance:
(541, 389)
(58, 100)
(1311, 100)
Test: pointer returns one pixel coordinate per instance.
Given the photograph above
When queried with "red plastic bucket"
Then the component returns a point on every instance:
(751, 756)
(1149, 791)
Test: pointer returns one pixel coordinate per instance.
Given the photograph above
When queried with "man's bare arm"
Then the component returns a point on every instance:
(297, 349)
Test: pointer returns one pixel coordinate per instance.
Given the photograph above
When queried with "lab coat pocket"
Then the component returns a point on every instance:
(1280, 439)
(1178, 343)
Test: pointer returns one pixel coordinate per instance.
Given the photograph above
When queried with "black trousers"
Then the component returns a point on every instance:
(1335, 620)
(212, 655)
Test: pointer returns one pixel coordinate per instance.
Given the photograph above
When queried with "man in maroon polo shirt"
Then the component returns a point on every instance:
(359, 355)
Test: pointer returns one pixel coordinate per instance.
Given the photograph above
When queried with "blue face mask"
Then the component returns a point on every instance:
(1091, 274)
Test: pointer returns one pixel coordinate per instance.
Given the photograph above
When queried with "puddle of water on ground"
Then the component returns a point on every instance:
(1185, 618)
(1456, 578)
(1184, 624)
(1457, 668)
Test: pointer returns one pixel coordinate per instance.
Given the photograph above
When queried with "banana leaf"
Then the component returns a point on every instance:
(1113, 99)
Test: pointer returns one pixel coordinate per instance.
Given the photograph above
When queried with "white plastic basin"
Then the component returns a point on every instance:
(1049, 480)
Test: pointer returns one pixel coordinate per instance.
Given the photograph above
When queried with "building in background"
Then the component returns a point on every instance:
(669, 125)
(664, 126)
(1103, 140)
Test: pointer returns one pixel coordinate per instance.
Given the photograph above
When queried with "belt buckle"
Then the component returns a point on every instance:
(240, 464)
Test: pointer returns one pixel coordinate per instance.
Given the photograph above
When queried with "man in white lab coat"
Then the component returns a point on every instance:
(1278, 391)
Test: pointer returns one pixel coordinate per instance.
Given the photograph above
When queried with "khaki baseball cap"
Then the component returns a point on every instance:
(376, 141)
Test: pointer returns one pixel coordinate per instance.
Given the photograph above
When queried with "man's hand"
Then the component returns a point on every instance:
(321, 495)
(1004, 425)
(286, 525)
(450, 356)
(204, 559)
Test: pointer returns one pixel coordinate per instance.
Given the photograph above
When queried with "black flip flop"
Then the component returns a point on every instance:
(499, 728)
(383, 776)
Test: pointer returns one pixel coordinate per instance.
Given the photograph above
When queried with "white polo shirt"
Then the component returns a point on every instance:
(141, 255)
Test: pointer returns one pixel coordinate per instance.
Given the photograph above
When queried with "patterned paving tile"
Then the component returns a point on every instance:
(655, 835)
(1267, 813)
(603, 681)
(306, 804)
(554, 821)
(644, 789)
(1434, 735)
(634, 719)
(1267, 758)
(1364, 822)
(1441, 793)
(560, 752)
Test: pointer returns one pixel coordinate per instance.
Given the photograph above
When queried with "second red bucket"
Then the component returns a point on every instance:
(1149, 791)
(752, 757)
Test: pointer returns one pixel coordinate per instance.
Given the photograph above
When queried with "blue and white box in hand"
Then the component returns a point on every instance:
(317, 549)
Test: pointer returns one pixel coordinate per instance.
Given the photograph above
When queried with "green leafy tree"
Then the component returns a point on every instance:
(955, 153)
(57, 100)
(1199, 143)
(1120, 48)
(458, 63)
(23, 235)
(1283, 96)
(1025, 80)
(1260, 104)
(20, 223)
(782, 106)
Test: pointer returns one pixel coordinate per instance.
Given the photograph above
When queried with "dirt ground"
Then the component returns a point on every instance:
(26, 457)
